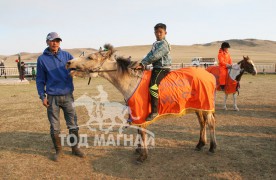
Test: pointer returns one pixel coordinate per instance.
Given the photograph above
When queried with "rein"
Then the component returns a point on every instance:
(98, 70)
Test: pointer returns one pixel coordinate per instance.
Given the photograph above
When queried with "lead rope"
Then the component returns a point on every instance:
(82, 54)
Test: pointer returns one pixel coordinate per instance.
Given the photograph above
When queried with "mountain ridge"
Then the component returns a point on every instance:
(260, 50)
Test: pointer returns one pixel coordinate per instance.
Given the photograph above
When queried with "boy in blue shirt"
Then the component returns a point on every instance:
(159, 57)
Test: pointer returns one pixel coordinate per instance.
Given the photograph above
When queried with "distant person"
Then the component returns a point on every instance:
(22, 71)
(52, 74)
(225, 62)
(18, 68)
(159, 57)
(33, 73)
(2, 69)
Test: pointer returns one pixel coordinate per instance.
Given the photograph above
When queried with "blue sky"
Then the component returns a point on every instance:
(24, 24)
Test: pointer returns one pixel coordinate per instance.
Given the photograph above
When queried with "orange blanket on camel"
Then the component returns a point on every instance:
(181, 91)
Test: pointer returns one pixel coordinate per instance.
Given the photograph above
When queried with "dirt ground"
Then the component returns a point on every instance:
(246, 139)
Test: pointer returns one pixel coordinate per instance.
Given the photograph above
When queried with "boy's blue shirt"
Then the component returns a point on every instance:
(51, 72)
(159, 56)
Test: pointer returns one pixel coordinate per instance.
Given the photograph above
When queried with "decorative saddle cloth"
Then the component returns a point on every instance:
(231, 85)
(180, 92)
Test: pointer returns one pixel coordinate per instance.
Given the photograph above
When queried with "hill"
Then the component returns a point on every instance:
(260, 51)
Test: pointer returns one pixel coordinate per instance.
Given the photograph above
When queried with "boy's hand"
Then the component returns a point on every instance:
(45, 102)
(228, 66)
(140, 66)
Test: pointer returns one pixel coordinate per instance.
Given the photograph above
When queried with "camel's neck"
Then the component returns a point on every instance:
(236, 72)
(125, 84)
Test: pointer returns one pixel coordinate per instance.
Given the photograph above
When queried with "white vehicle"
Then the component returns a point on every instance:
(200, 61)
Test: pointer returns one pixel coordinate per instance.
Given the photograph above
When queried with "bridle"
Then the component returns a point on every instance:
(99, 68)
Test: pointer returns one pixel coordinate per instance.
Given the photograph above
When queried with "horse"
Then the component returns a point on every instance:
(233, 78)
(121, 72)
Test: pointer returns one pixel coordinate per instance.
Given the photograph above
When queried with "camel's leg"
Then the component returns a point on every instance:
(211, 123)
(202, 138)
(235, 102)
(144, 149)
(225, 99)
(138, 149)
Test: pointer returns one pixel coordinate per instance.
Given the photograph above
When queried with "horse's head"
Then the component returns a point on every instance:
(100, 61)
(92, 63)
(248, 65)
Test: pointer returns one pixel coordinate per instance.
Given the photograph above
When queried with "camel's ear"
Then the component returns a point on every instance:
(243, 57)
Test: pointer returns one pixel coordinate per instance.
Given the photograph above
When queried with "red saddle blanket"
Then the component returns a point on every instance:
(230, 86)
(181, 91)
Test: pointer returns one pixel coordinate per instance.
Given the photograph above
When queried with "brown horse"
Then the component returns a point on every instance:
(233, 78)
(120, 73)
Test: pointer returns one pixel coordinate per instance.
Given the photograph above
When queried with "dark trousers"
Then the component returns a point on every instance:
(156, 77)
(66, 103)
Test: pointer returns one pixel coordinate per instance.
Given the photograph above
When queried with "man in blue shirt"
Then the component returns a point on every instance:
(52, 74)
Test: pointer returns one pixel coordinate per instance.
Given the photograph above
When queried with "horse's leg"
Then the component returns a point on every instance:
(235, 102)
(138, 149)
(211, 123)
(225, 99)
(202, 138)
(144, 149)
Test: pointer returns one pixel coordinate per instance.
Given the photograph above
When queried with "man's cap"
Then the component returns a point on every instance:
(53, 35)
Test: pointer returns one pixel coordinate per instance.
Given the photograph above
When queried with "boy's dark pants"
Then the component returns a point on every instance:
(156, 77)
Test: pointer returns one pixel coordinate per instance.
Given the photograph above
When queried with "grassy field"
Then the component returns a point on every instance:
(246, 139)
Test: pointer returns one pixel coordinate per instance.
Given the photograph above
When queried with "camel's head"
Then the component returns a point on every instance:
(92, 63)
(248, 65)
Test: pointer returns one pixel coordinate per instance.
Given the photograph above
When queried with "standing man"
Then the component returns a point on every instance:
(22, 71)
(225, 63)
(52, 74)
(33, 73)
(2, 69)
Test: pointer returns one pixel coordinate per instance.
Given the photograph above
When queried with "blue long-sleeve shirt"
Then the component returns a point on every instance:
(51, 72)
(159, 56)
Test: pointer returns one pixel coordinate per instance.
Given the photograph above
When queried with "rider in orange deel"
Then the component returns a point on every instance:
(225, 63)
